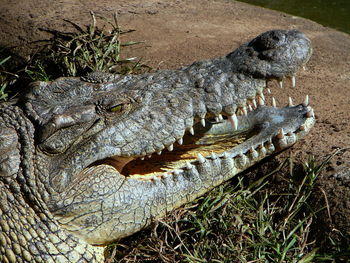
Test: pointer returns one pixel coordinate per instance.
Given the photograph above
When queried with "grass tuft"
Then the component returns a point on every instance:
(92, 49)
(70, 54)
(6, 76)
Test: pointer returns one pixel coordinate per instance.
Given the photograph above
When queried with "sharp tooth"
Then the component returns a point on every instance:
(203, 122)
(250, 107)
(268, 91)
(217, 119)
(225, 155)
(244, 110)
(200, 158)
(304, 67)
(293, 81)
(254, 154)
(274, 102)
(280, 134)
(280, 83)
(149, 156)
(261, 101)
(191, 130)
(306, 101)
(189, 165)
(159, 152)
(262, 150)
(254, 103)
(180, 141)
(234, 121)
(270, 147)
(170, 147)
(262, 95)
(290, 102)
(142, 158)
(310, 113)
(176, 172)
(213, 156)
(220, 117)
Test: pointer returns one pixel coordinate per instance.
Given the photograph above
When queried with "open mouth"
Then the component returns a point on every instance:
(255, 132)
(203, 142)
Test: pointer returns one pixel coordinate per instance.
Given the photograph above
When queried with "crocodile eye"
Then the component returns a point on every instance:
(117, 108)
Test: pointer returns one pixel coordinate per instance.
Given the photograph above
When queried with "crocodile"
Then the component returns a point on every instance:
(87, 161)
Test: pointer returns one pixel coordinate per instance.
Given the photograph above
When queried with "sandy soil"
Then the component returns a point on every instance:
(179, 32)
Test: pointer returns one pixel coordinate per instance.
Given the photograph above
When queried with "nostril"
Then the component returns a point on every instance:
(269, 40)
(276, 38)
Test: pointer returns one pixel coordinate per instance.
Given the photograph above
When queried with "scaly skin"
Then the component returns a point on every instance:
(75, 179)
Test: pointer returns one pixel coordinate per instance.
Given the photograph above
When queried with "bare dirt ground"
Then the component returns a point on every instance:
(177, 33)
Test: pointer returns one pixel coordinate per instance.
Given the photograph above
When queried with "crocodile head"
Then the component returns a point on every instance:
(184, 131)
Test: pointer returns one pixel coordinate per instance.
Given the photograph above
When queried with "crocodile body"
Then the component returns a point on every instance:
(88, 161)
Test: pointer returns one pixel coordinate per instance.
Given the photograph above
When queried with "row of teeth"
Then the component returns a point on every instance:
(252, 104)
(281, 140)
(233, 118)
(292, 78)
(243, 110)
